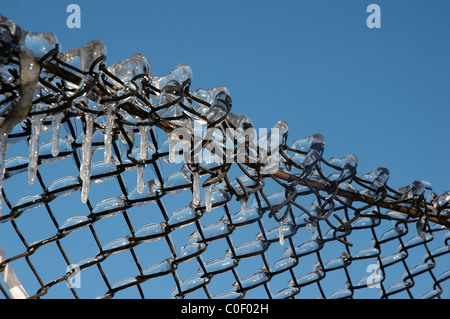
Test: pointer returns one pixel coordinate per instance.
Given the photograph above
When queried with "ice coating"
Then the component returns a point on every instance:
(412, 191)
(313, 146)
(40, 44)
(221, 105)
(84, 57)
(127, 69)
(216, 108)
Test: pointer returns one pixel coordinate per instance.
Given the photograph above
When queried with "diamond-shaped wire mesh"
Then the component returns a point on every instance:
(92, 192)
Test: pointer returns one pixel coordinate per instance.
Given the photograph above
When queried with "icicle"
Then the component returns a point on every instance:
(84, 191)
(36, 128)
(3, 146)
(140, 179)
(195, 189)
(171, 148)
(309, 226)
(108, 134)
(56, 125)
(243, 205)
(143, 130)
(420, 226)
(281, 233)
(86, 148)
(208, 204)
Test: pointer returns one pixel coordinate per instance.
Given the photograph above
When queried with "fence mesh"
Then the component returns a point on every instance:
(92, 189)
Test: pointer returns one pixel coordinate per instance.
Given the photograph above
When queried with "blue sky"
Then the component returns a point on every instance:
(381, 94)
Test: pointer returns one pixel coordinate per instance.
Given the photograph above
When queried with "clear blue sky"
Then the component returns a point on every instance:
(381, 94)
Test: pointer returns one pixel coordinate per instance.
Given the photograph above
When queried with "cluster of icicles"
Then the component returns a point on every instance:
(170, 86)
(215, 109)
(122, 75)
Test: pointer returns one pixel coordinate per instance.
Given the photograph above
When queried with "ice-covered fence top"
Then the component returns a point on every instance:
(42, 86)
(77, 80)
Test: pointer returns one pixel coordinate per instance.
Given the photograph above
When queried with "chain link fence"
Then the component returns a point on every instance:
(100, 199)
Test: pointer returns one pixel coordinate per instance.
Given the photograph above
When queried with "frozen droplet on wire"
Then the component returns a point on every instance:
(378, 177)
(348, 165)
(40, 44)
(183, 72)
(316, 146)
(283, 131)
(127, 69)
(413, 191)
(170, 92)
(220, 106)
(84, 56)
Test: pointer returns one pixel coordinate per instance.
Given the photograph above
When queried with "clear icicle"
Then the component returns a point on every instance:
(85, 191)
(3, 146)
(208, 195)
(56, 125)
(420, 225)
(86, 148)
(143, 130)
(281, 233)
(195, 189)
(243, 205)
(108, 134)
(36, 129)
(140, 179)
(171, 148)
